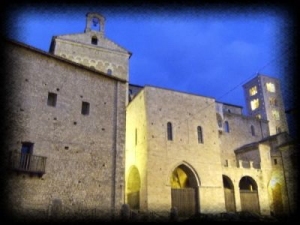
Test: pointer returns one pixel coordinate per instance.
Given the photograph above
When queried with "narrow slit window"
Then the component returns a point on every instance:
(85, 108)
(52, 98)
(135, 136)
(169, 131)
(200, 134)
(226, 125)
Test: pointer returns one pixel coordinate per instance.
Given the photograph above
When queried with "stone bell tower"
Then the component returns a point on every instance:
(264, 101)
(92, 49)
(95, 22)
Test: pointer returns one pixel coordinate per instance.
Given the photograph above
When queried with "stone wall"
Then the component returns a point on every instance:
(105, 57)
(136, 146)
(85, 153)
(186, 112)
(240, 133)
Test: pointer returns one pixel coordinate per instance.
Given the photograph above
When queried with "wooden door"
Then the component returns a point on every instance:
(184, 199)
(249, 201)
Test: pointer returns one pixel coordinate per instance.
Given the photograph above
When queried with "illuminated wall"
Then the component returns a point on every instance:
(136, 151)
(186, 112)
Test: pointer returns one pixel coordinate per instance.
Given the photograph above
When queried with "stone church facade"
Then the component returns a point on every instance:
(82, 141)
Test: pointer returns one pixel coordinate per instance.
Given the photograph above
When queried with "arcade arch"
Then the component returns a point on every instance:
(249, 195)
(229, 194)
(133, 188)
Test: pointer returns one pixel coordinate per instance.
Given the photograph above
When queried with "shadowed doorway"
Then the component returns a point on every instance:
(249, 195)
(229, 194)
(133, 188)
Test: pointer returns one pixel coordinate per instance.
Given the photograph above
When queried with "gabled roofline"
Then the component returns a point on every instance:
(136, 85)
(31, 48)
(61, 37)
(254, 145)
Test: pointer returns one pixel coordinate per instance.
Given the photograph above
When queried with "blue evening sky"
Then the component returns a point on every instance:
(200, 51)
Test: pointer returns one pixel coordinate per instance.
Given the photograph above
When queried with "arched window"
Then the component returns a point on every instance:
(95, 24)
(109, 72)
(169, 131)
(94, 40)
(200, 134)
(219, 120)
(226, 126)
(252, 130)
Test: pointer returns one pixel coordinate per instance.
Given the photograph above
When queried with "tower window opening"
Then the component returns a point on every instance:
(95, 24)
(270, 87)
(275, 114)
(253, 91)
(254, 104)
(94, 40)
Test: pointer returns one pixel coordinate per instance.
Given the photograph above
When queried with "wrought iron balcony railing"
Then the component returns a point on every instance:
(28, 163)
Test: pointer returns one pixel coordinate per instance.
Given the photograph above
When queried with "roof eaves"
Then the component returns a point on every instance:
(63, 59)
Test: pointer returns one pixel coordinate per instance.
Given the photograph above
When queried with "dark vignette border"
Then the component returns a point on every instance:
(287, 8)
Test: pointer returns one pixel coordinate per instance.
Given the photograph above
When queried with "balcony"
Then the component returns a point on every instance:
(242, 164)
(28, 163)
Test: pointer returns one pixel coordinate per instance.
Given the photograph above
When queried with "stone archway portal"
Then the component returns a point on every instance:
(133, 188)
(184, 191)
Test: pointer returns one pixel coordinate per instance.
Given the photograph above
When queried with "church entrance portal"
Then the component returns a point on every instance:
(184, 191)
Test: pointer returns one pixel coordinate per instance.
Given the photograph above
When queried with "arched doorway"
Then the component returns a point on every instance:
(229, 194)
(133, 188)
(249, 195)
(277, 199)
(184, 191)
